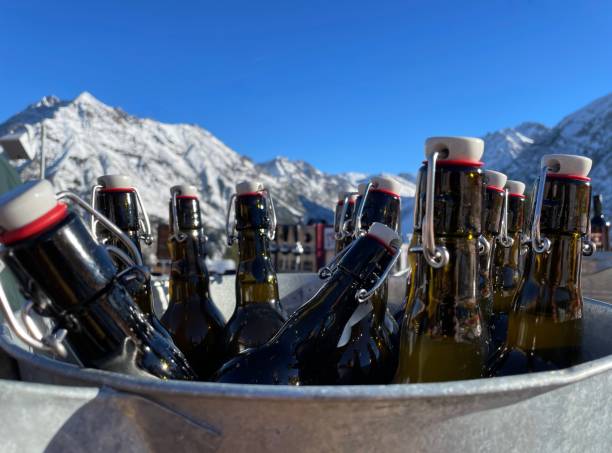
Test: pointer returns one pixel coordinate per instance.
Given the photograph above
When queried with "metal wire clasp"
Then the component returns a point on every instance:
(144, 222)
(342, 228)
(177, 234)
(272, 212)
(363, 295)
(230, 221)
(31, 335)
(539, 244)
(327, 271)
(436, 256)
(130, 246)
(503, 237)
(357, 231)
(588, 246)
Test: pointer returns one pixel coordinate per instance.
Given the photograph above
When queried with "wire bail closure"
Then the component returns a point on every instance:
(145, 232)
(357, 231)
(588, 246)
(177, 234)
(327, 271)
(51, 342)
(230, 222)
(343, 226)
(539, 244)
(503, 238)
(362, 295)
(436, 256)
(99, 217)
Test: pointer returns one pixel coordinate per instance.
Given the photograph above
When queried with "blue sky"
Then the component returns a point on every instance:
(345, 85)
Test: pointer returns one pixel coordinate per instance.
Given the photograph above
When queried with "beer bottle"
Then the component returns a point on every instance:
(50, 245)
(305, 350)
(508, 261)
(370, 354)
(342, 219)
(116, 198)
(442, 336)
(600, 228)
(192, 318)
(545, 322)
(491, 220)
(258, 314)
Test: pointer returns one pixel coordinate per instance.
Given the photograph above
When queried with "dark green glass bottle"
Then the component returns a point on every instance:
(305, 350)
(600, 228)
(443, 336)
(491, 221)
(508, 263)
(116, 198)
(192, 318)
(50, 245)
(258, 314)
(370, 354)
(344, 213)
(545, 322)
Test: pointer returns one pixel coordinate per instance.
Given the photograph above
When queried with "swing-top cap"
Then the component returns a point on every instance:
(384, 234)
(116, 182)
(568, 165)
(515, 187)
(185, 190)
(495, 179)
(249, 187)
(343, 193)
(384, 184)
(30, 207)
(460, 149)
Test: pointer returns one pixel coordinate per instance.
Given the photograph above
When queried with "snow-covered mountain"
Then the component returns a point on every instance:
(85, 138)
(588, 132)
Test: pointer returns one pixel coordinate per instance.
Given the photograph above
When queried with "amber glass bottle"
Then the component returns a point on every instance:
(106, 329)
(491, 221)
(116, 198)
(377, 331)
(193, 320)
(258, 314)
(508, 264)
(344, 213)
(305, 351)
(545, 323)
(442, 336)
(600, 228)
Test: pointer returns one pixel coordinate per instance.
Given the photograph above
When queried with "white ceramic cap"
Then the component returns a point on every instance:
(567, 164)
(459, 148)
(115, 182)
(495, 179)
(26, 203)
(361, 188)
(249, 187)
(385, 234)
(344, 193)
(185, 189)
(515, 187)
(388, 184)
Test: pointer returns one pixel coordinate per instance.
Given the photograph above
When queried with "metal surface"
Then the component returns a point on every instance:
(568, 410)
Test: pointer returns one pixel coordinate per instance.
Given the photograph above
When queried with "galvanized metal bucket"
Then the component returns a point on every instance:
(93, 410)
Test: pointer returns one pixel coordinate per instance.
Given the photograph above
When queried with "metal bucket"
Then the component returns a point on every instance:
(553, 411)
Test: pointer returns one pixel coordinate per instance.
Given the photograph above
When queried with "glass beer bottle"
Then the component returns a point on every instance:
(600, 228)
(491, 221)
(51, 247)
(258, 314)
(343, 214)
(369, 355)
(192, 318)
(545, 322)
(305, 350)
(442, 336)
(116, 198)
(508, 261)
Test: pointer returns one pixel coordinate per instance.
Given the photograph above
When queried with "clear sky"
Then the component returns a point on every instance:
(344, 85)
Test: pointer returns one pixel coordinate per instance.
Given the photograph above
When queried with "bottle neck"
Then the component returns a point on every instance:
(492, 211)
(253, 243)
(381, 207)
(121, 208)
(516, 214)
(66, 262)
(188, 214)
(597, 207)
(189, 275)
